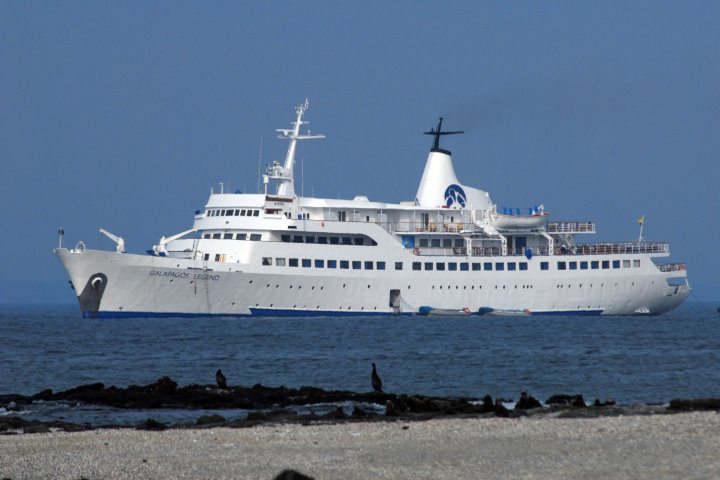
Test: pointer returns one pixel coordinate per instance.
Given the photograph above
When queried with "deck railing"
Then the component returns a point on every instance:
(627, 247)
(571, 227)
(672, 267)
(580, 249)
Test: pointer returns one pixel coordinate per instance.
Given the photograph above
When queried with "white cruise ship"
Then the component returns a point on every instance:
(450, 250)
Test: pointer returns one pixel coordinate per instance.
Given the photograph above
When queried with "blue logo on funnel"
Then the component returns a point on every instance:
(454, 194)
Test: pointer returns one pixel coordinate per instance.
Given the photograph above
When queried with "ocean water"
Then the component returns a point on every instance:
(630, 359)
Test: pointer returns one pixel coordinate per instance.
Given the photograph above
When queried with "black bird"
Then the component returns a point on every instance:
(221, 380)
(375, 379)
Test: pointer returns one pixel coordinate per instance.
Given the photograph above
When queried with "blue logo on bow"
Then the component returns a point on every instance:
(455, 194)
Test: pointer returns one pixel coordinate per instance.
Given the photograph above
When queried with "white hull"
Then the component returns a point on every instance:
(145, 285)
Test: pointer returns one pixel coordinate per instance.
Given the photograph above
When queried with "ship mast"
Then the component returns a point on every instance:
(283, 174)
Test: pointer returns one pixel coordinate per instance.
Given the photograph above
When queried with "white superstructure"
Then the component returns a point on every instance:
(451, 249)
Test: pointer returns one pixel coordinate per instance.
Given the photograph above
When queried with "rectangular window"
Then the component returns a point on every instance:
(322, 240)
(297, 239)
(332, 263)
(344, 264)
(356, 264)
(206, 257)
(476, 267)
(306, 263)
(309, 239)
(499, 266)
(573, 265)
(416, 265)
(242, 213)
(217, 257)
(440, 266)
(435, 243)
(334, 240)
(447, 242)
(626, 263)
(459, 242)
(285, 238)
(523, 266)
(423, 242)
(228, 236)
(398, 265)
(241, 236)
(280, 262)
(266, 261)
(487, 266)
(452, 266)
(207, 235)
(293, 262)
(216, 236)
(616, 263)
(358, 240)
(583, 265)
(428, 266)
(594, 264)
(605, 264)
(562, 266)
(380, 265)
(256, 213)
(346, 241)
(544, 266)
(255, 237)
(512, 266)
(341, 216)
(237, 213)
(636, 263)
(319, 263)
(464, 267)
(368, 265)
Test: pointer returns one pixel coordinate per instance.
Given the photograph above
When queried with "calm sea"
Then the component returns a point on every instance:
(631, 359)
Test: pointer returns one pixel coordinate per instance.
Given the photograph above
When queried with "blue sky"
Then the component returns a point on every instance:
(123, 114)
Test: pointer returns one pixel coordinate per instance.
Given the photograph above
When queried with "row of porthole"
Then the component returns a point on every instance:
(317, 307)
(311, 288)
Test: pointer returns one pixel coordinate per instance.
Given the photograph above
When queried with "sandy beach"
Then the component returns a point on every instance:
(683, 445)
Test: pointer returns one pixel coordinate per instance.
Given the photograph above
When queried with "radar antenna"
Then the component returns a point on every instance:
(437, 133)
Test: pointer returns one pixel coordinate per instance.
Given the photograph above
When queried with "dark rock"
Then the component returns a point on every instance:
(390, 409)
(607, 403)
(500, 409)
(292, 475)
(559, 399)
(358, 413)
(337, 414)
(43, 395)
(527, 402)
(258, 416)
(90, 387)
(695, 404)
(578, 401)
(163, 385)
(487, 405)
(210, 420)
(152, 425)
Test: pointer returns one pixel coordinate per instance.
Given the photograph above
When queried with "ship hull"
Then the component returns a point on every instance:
(117, 285)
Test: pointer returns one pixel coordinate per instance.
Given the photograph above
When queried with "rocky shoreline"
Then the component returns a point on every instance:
(273, 405)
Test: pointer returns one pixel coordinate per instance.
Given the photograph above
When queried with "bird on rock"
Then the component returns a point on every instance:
(221, 380)
(375, 379)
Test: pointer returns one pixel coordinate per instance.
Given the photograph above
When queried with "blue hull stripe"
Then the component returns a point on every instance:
(271, 312)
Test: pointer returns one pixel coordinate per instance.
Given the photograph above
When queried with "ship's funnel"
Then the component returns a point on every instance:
(438, 177)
